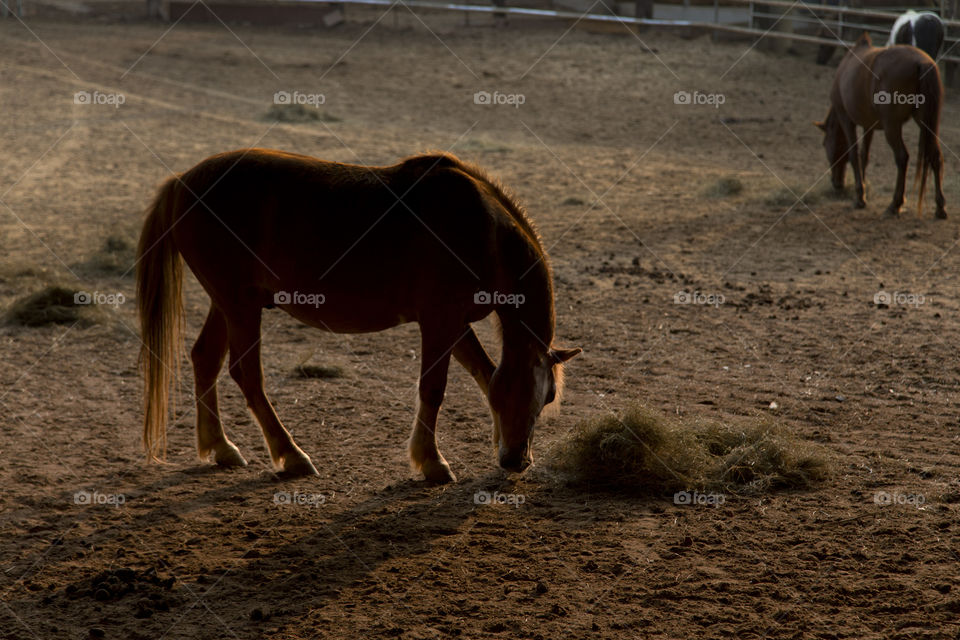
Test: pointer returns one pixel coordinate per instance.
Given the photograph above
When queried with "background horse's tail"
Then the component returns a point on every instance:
(159, 280)
(929, 149)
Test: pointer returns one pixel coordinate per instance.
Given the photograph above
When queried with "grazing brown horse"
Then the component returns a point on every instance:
(881, 88)
(348, 249)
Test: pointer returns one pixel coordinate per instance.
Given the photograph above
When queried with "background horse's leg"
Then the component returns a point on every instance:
(434, 364)
(470, 353)
(243, 331)
(894, 134)
(208, 354)
(850, 130)
(865, 154)
(936, 165)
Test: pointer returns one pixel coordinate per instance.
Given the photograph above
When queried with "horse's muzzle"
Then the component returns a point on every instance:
(515, 460)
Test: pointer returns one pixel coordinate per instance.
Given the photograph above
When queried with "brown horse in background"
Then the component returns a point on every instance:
(881, 88)
(348, 249)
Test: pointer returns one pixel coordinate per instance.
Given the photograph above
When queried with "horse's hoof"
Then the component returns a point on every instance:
(941, 214)
(892, 211)
(438, 472)
(229, 456)
(860, 204)
(297, 463)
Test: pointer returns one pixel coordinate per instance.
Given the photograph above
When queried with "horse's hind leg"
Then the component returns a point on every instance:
(243, 332)
(434, 364)
(895, 140)
(208, 353)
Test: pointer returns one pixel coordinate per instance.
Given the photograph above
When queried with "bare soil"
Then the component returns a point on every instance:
(625, 186)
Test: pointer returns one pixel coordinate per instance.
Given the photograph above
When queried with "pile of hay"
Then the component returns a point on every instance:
(51, 305)
(643, 450)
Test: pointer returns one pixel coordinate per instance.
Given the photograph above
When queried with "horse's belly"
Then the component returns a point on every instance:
(346, 315)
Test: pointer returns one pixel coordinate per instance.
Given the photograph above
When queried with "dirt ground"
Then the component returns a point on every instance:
(632, 195)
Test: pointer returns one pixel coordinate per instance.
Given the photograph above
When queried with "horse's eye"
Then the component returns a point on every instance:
(551, 395)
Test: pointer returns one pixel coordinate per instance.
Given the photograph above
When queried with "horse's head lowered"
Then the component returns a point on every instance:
(837, 147)
(519, 390)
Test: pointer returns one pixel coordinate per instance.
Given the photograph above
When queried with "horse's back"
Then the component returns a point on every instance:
(272, 220)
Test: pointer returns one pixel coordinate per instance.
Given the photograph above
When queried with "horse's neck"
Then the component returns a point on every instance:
(527, 328)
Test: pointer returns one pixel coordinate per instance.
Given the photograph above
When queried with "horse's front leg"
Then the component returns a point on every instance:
(850, 131)
(894, 137)
(470, 353)
(436, 347)
(865, 153)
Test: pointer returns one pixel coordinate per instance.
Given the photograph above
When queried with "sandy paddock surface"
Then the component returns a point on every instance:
(622, 183)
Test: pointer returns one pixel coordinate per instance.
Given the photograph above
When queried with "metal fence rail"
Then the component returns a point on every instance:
(836, 25)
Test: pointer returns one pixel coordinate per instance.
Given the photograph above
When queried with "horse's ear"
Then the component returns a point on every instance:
(821, 125)
(864, 39)
(559, 356)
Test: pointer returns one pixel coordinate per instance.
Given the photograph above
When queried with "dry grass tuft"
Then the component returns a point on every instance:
(115, 258)
(724, 188)
(316, 371)
(297, 113)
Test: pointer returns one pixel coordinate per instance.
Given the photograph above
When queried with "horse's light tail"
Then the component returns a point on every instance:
(159, 302)
(929, 148)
